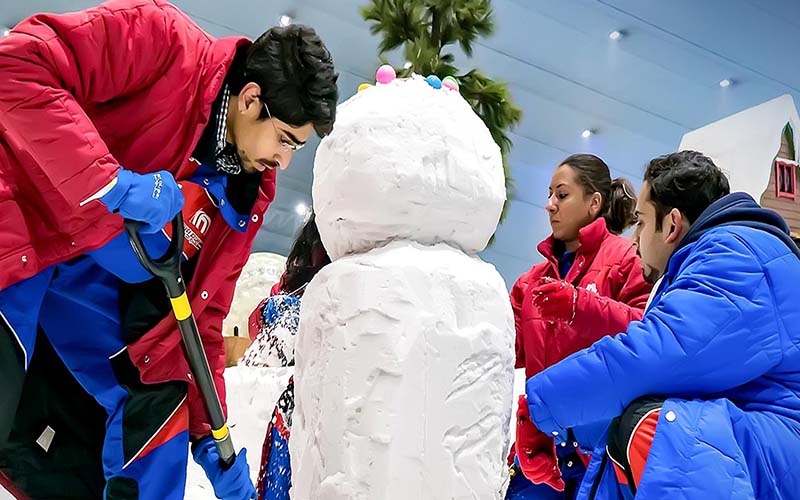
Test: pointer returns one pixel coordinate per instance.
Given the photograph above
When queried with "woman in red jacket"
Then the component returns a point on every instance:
(590, 285)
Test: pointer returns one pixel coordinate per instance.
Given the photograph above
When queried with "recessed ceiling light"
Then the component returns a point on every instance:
(616, 35)
(407, 65)
(301, 209)
(286, 20)
(725, 83)
(587, 133)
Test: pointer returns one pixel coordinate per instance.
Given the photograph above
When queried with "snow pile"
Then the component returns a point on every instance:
(251, 397)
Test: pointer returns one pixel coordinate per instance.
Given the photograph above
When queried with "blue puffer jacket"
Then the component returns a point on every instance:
(722, 339)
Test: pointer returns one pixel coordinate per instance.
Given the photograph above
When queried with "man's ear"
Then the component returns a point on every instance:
(249, 96)
(676, 229)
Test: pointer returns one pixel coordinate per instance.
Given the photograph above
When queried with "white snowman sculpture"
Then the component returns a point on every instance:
(405, 351)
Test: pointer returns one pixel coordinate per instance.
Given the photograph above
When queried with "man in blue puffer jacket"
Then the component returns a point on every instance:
(706, 388)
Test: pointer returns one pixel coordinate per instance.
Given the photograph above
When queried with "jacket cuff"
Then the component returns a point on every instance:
(114, 193)
(540, 414)
(584, 300)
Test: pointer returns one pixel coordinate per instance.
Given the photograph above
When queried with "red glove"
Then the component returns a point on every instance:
(556, 300)
(536, 451)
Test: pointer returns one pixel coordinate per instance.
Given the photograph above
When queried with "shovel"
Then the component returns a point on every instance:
(168, 270)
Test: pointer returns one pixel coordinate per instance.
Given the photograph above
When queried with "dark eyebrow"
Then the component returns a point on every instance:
(294, 138)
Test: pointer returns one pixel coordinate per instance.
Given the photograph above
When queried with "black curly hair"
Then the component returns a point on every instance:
(686, 180)
(295, 72)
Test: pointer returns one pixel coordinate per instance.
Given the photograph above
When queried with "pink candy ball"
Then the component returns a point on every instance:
(450, 82)
(385, 74)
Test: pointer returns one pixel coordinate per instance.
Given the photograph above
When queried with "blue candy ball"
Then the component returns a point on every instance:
(434, 81)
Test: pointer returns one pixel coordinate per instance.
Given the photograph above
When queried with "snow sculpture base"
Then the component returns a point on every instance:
(404, 378)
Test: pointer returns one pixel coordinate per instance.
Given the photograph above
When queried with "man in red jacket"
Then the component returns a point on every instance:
(131, 110)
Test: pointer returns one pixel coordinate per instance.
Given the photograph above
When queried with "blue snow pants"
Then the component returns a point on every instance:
(76, 305)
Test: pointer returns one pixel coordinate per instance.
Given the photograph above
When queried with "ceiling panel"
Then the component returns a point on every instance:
(640, 94)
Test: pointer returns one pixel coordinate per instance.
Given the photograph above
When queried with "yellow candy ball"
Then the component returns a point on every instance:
(364, 86)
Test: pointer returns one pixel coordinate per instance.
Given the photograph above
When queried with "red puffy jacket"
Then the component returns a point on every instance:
(614, 293)
(130, 82)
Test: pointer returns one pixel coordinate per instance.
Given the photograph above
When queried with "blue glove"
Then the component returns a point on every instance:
(150, 198)
(231, 484)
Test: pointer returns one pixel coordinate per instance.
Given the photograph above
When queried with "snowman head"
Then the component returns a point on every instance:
(407, 161)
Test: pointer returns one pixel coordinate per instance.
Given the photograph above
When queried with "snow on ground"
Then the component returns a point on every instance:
(252, 394)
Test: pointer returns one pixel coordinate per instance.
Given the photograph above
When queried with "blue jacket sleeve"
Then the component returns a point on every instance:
(713, 329)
